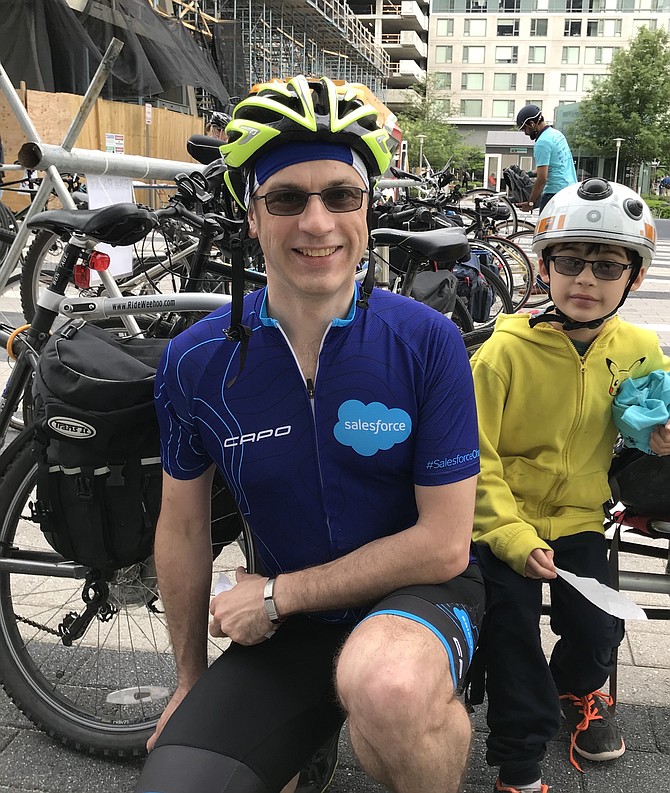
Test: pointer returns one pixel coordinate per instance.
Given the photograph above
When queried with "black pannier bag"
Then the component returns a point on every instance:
(436, 289)
(97, 445)
(473, 288)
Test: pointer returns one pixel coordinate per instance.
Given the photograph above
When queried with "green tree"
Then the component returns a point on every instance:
(442, 142)
(632, 103)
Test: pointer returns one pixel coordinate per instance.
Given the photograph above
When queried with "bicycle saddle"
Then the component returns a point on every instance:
(204, 148)
(119, 224)
(438, 245)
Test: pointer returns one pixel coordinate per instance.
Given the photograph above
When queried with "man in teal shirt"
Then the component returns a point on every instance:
(554, 165)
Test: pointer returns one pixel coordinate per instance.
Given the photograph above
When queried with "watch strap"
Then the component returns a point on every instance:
(269, 602)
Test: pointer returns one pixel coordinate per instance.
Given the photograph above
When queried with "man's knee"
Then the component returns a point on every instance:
(394, 669)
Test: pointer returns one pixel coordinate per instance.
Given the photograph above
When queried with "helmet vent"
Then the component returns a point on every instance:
(594, 189)
(593, 216)
(633, 208)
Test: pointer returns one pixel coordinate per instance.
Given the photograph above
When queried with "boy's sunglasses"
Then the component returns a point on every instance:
(293, 202)
(604, 270)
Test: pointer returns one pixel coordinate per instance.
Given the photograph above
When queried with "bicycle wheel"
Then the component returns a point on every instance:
(460, 316)
(520, 276)
(538, 296)
(474, 340)
(8, 227)
(502, 300)
(105, 692)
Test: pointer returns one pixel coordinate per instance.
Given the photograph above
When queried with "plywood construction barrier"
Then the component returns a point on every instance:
(52, 115)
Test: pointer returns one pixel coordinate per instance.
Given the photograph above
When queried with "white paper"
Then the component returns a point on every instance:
(607, 599)
(104, 191)
(223, 584)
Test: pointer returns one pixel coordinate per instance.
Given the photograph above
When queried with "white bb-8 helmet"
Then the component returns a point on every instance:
(598, 211)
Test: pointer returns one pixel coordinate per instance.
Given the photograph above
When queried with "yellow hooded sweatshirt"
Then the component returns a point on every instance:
(545, 429)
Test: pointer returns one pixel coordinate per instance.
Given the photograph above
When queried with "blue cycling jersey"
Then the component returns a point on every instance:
(320, 469)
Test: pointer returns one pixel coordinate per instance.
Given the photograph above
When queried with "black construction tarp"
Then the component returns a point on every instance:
(53, 48)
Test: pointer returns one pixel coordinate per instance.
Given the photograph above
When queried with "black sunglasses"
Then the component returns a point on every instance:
(604, 270)
(293, 202)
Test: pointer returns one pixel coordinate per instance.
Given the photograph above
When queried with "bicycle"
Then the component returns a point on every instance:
(85, 656)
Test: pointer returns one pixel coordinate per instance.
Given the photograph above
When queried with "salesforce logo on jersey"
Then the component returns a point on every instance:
(370, 428)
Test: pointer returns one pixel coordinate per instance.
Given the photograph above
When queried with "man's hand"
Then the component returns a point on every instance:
(524, 206)
(659, 442)
(540, 564)
(170, 708)
(239, 613)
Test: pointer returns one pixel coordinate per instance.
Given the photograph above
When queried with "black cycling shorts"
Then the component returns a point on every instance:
(259, 713)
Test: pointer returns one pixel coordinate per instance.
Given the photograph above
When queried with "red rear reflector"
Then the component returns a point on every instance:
(82, 276)
(98, 261)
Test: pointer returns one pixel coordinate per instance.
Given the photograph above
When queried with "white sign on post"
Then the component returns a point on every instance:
(104, 191)
(147, 113)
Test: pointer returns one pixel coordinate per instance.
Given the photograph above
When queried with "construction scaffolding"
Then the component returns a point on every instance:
(281, 38)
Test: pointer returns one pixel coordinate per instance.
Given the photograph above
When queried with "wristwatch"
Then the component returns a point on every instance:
(269, 602)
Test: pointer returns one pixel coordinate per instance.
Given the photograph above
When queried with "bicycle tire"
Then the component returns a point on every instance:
(474, 340)
(521, 275)
(9, 228)
(105, 693)
(502, 300)
(461, 317)
(536, 298)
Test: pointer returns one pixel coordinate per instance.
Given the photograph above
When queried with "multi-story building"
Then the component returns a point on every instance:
(490, 57)
(400, 27)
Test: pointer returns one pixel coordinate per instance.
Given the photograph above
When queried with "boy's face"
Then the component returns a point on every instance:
(584, 297)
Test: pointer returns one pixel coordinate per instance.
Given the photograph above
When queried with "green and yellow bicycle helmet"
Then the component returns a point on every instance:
(302, 109)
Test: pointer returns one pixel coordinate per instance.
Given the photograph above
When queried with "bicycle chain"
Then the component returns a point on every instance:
(37, 625)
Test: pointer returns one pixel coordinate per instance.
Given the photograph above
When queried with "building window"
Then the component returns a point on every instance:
(569, 82)
(507, 54)
(509, 6)
(650, 24)
(508, 27)
(442, 81)
(570, 55)
(503, 108)
(445, 27)
(572, 27)
(471, 107)
(538, 27)
(537, 54)
(607, 28)
(535, 81)
(591, 80)
(593, 55)
(474, 27)
(474, 54)
(443, 6)
(504, 82)
(573, 6)
(472, 81)
(475, 6)
(444, 54)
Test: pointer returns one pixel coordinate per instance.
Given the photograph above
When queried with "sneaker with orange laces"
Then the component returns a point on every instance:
(502, 788)
(594, 733)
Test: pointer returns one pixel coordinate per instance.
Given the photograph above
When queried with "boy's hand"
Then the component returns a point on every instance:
(659, 441)
(540, 564)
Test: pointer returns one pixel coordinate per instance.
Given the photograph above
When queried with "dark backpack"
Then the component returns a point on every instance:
(436, 289)
(97, 446)
(473, 288)
(518, 183)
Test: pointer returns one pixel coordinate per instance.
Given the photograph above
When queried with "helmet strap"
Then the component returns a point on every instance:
(238, 331)
(369, 281)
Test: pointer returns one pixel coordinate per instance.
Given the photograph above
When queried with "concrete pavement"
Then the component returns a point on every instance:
(30, 761)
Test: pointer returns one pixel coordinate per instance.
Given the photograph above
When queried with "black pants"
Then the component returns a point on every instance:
(523, 690)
